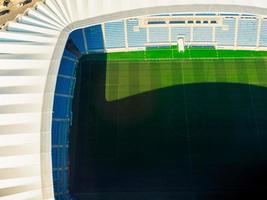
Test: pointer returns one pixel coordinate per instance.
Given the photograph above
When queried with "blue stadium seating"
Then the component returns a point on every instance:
(94, 38)
(69, 55)
(86, 40)
(263, 34)
(136, 39)
(158, 34)
(69, 67)
(91, 39)
(115, 34)
(202, 34)
(60, 158)
(175, 31)
(61, 123)
(226, 37)
(78, 39)
(247, 32)
(64, 85)
(63, 107)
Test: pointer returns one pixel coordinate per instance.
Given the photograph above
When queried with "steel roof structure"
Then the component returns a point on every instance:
(31, 48)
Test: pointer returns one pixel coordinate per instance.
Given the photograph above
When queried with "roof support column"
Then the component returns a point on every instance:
(170, 34)
(125, 34)
(236, 32)
(104, 34)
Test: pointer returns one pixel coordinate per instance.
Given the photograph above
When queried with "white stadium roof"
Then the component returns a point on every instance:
(29, 64)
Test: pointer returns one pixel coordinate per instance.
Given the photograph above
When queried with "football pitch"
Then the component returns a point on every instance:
(166, 126)
(131, 73)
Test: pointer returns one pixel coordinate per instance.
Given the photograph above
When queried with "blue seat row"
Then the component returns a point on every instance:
(91, 39)
(202, 34)
(263, 34)
(224, 36)
(115, 34)
(94, 38)
(158, 34)
(184, 31)
(247, 32)
(83, 41)
(136, 38)
(78, 38)
(61, 121)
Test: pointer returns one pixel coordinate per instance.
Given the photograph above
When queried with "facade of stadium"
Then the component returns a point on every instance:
(40, 49)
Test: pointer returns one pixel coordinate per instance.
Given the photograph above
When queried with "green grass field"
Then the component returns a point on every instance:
(131, 73)
(157, 124)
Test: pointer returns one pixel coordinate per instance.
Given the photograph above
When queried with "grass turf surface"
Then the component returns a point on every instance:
(171, 53)
(205, 140)
(131, 73)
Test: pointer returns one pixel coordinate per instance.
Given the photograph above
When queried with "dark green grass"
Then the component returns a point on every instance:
(143, 71)
(190, 53)
(135, 77)
(181, 139)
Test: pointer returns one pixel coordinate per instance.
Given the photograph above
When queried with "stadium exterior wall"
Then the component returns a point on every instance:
(60, 46)
(121, 14)
(63, 17)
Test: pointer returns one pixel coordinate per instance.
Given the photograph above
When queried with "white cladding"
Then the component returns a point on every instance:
(31, 48)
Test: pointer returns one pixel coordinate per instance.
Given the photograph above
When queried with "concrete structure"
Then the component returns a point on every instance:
(31, 50)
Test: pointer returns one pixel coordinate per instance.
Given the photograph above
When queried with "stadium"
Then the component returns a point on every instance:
(136, 100)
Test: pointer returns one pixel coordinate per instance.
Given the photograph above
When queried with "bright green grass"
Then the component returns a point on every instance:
(191, 53)
(130, 74)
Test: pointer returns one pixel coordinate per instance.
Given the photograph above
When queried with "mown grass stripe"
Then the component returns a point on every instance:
(188, 72)
(199, 71)
(177, 76)
(261, 71)
(123, 84)
(210, 72)
(166, 74)
(145, 77)
(220, 71)
(127, 78)
(191, 53)
(112, 81)
(241, 71)
(251, 71)
(133, 77)
(231, 72)
(155, 75)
